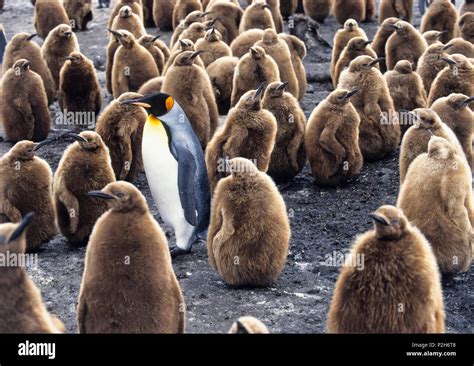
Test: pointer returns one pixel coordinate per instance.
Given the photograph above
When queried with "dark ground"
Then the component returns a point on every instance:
(323, 221)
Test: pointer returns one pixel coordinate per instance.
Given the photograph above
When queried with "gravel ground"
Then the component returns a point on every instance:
(323, 220)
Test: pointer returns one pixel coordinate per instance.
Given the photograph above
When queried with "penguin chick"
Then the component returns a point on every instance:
(317, 10)
(79, 13)
(431, 63)
(21, 306)
(437, 197)
(357, 46)
(257, 15)
(228, 17)
(280, 52)
(385, 30)
(163, 48)
(221, 73)
(332, 139)
(84, 166)
(148, 42)
(248, 325)
(48, 15)
(24, 104)
(457, 78)
(126, 19)
(184, 45)
(467, 6)
(148, 14)
(298, 53)
(253, 69)
(163, 14)
(112, 47)
(441, 15)
(379, 130)
(128, 230)
(134, 5)
(59, 44)
(288, 8)
(460, 45)
(455, 112)
(406, 89)
(212, 47)
(288, 156)
(79, 89)
(248, 223)
(26, 182)
(466, 27)
(152, 86)
(193, 17)
(369, 10)
(21, 46)
(183, 8)
(341, 38)
(433, 36)
(241, 45)
(396, 48)
(193, 33)
(349, 9)
(274, 6)
(415, 142)
(249, 132)
(199, 103)
(402, 9)
(365, 302)
(133, 65)
(121, 128)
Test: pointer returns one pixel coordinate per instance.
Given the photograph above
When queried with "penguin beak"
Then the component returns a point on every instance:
(259, 92)
(101, 195)
(213, 30)
(115, 33)
(282, 86)
(376, 61)
(183, 43)
(20, 229)
(266, 6)
(77, 137)
(41, 144)
(468, 101)
(366, 43)
(351, 93)
(441, 34)
(68, 34)
(31, 36)
(138, 102)
(379, 219)
(26, 65)
(206, 13)
(448, 46)
(195, 54)
(253, 50)
(448, 60)
(212, 23)
(155, 38)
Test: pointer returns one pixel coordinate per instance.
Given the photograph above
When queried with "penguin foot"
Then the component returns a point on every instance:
(176, 252)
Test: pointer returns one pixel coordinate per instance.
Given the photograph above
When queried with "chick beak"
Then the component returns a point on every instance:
(379, 219)
(155, 38)
(441, 34)
(468, 101)
(20, 229)
(31, 36)
(101, 195)
(41, 144)
(282, 86)
(138, 102)
(259, 92)
(449, 61)
(115, 33)
(68, 34)
(351, 93)
(77, 137)
(195, 54)
(212, 23)
(448, 46)
(376, 61)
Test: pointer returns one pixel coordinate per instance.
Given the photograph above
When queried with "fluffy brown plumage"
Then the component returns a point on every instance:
(79, 13)
(406, 43)
(228, 16)
(48, 15)
(349, 9)
(402, 9)
(163, 14)
(221, 73)
(183, 8)
(298, 53)
(135, 5)
(241, 44)
(149, 42)
(257, 15)
(466, 26)
(381, 37)
(248, 325)
(212, 47)
(441, 15)
(126, 19)
(431, 63)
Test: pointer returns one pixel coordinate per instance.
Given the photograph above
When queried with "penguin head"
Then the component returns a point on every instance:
(438, 50)
(125, 38)
(466, 24)
(157, 104)
(195, 16)
(200, 28)
(425, 118)
(440, 149)
(270, 36)
(260, 5)
(364, 63)
(88, 140)
(121, 196)
(75, 58)
(25, 150)
(252, 100)
(148, 40)
(458, 62)
(242, 168)
(63, 31)
(21, 66)
(21, 39)
(275, 89)
(351, 25)
(341, 96)
(459, 101)
(213, 35)
(186, 58)
(389, 223)
(358, 44)
(186, 44)
(403, 28)
(257, 53)
(12, 236)
(404, 67)
(125, 12)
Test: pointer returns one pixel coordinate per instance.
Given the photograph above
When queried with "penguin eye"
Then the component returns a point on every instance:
(120, 195)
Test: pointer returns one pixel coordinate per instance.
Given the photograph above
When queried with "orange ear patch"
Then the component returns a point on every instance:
(169, 103)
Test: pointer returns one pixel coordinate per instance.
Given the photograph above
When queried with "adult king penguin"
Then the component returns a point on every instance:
(176, 170)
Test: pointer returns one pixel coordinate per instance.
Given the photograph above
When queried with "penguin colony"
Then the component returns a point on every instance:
(163, 121)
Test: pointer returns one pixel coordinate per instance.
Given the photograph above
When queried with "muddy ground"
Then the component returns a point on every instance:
(323, 221)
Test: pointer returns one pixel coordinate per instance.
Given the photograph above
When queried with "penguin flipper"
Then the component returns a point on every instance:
(3, 44)
(186, 176)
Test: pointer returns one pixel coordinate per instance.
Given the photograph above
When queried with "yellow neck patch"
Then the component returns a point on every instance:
(154, 126)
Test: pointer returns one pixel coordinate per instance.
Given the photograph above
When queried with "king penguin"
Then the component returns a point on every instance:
(175, 169)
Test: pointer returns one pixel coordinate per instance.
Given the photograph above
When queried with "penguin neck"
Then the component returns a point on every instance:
(155, 127)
